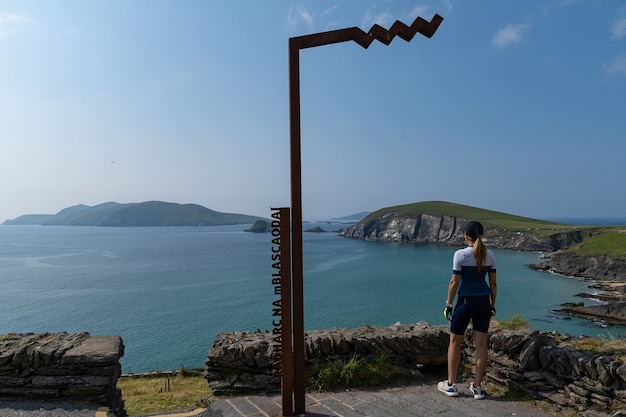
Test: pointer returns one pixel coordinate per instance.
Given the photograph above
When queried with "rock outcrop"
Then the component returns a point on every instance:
(393, 226)
(396, 227)
(259, 226)
(540, 364)
(601, 268)
(605, 315)
(607, 279)
(60, 366)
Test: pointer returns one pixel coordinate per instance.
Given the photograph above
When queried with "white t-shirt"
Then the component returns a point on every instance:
(473, 282)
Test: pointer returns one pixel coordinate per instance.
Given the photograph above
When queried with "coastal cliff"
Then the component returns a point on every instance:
(396, 226)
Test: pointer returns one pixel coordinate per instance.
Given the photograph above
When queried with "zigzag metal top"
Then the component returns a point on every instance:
(377, 32)
(293, 378)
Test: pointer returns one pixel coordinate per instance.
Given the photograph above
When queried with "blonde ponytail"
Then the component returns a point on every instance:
(480, 253)
(474, 232)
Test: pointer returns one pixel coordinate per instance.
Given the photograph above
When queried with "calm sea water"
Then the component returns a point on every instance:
(168, 291)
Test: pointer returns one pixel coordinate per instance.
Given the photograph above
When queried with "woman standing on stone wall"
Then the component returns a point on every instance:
(476, 301)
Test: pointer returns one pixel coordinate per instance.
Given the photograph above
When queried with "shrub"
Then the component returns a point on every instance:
(356, 372)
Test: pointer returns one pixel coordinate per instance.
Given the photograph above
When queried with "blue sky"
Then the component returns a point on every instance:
(514, 106)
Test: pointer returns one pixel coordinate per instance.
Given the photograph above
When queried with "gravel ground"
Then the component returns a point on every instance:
(50, 409)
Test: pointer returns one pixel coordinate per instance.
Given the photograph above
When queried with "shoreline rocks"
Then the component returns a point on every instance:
(606, 277)
(598, 268)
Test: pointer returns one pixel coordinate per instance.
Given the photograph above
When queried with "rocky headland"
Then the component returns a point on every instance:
(395, 226)
(606, 276)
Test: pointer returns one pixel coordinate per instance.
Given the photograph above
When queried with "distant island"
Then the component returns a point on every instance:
(149, 213)
(353, 217)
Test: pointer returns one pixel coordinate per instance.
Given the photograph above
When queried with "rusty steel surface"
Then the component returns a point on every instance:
(364, 39)
(286, 309)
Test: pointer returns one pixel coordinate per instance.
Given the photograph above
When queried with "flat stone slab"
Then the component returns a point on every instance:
(100, 350)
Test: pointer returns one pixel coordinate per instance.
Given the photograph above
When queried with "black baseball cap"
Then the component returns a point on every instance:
(474, 229)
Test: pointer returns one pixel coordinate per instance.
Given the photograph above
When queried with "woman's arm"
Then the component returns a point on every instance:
(494, 288)
(453, 287)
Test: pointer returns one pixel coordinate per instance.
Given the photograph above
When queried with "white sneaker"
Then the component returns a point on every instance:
(449, 390)
(478, 392)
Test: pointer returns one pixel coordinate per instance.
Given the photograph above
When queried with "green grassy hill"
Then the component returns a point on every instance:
(488, 218)
(596, 240)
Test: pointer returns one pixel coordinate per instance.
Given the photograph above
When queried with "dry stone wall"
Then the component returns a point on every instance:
(540, 364)
(543, 366)
(241, 362)
(61, 366)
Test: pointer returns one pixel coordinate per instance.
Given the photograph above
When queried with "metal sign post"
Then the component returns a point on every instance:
(282, 333)
(377, 32)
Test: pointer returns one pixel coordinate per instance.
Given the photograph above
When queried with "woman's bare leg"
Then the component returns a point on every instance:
(480, 343)
(454, 356)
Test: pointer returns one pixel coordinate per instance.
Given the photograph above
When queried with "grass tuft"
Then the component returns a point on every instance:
(600, 345)
(516, 322)
(331, 375)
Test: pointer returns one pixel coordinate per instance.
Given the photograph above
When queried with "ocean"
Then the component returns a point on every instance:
(167, 291)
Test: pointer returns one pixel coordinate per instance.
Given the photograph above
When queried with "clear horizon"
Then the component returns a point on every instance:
(513, 107)
(582, 221)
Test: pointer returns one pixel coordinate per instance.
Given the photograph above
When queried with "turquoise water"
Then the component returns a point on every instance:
(168, 291)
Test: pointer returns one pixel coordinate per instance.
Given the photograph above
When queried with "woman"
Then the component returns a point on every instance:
(476, 301)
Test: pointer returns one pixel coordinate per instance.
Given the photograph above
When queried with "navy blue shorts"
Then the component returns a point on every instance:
(477, 309)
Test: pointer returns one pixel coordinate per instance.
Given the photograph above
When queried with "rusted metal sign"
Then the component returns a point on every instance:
(364, 39)
(282, 361)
